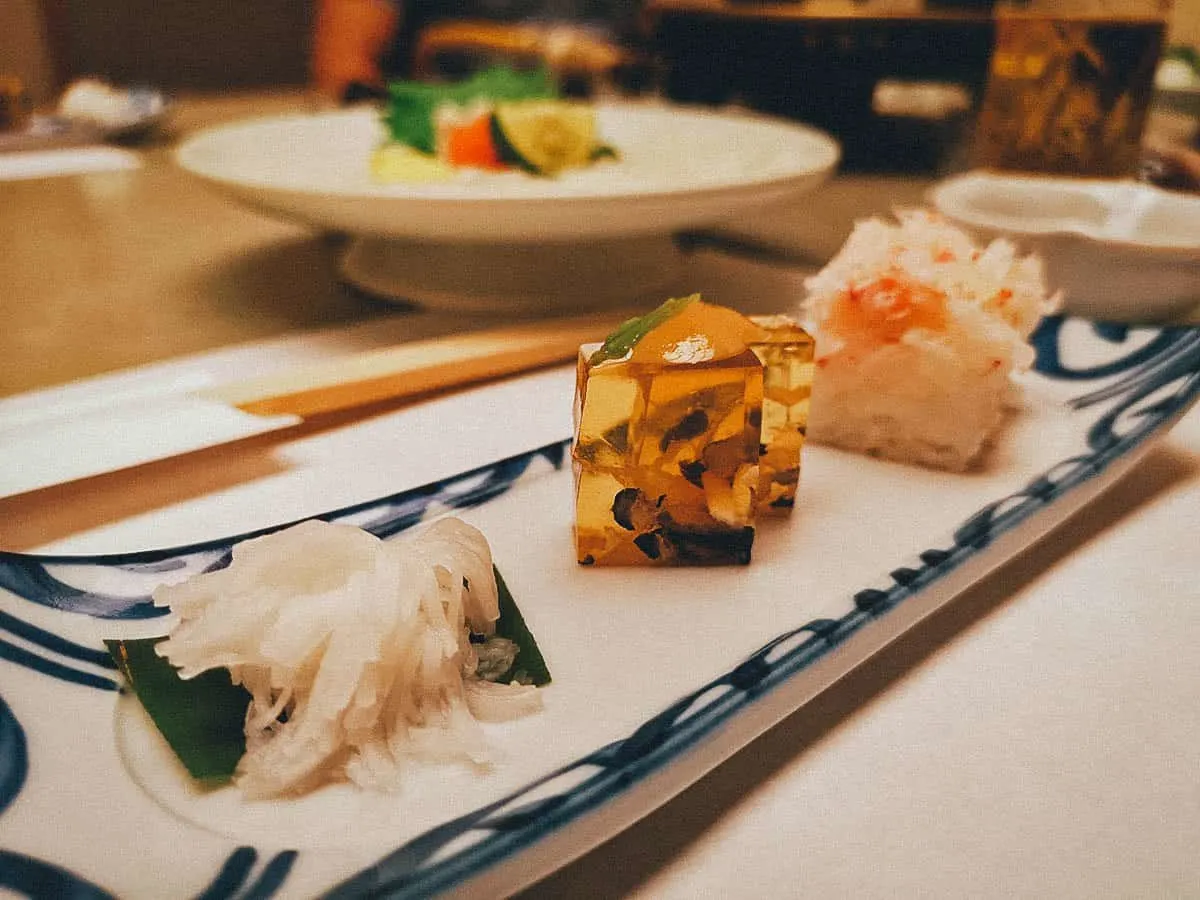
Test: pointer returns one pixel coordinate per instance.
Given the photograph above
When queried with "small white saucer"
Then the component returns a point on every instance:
(1119, 250)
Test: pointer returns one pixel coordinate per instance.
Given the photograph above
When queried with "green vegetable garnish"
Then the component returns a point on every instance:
(409, 115)
(203, 718)
(529, 666)
(544, 136)
(618, 344)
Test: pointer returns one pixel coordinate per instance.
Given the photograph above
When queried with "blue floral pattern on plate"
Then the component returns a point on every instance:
(1136, 394)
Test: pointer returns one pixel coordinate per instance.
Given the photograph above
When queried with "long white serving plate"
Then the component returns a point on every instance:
(659, 675)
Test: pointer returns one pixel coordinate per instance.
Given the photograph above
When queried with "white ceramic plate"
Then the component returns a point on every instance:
(1117, 249)
(658, 675)
(678, 168)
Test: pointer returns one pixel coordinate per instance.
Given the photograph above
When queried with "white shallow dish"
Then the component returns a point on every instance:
(509, 242)
(659, 675)
(1118, 250)
(678, 167)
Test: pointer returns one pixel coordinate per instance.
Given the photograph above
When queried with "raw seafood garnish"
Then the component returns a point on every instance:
(355, 654)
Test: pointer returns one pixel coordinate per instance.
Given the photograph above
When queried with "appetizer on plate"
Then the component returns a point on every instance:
(499, 120)
(919, 332)
(323, 654)
(689, 422)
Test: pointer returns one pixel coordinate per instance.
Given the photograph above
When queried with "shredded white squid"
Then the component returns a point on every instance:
(356, 651)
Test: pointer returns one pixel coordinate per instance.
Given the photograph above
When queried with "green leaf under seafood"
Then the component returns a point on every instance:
(530, 666)
(202, 718)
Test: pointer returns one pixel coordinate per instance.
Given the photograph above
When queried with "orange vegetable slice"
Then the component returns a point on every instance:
(700, 332)
(470, 145)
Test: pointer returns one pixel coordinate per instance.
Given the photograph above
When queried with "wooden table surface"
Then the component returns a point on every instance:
(114, 269)
(109, 270)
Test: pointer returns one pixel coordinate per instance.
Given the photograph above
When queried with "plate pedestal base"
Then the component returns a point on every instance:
(520, 279)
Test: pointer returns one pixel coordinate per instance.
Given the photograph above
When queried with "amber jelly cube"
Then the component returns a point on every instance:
(786, 351)
(666, 461)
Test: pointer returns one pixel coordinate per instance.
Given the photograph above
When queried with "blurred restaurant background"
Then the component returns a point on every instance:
(899, 82)
(903, 85)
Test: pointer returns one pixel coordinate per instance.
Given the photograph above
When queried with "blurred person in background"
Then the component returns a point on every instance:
(359, 44)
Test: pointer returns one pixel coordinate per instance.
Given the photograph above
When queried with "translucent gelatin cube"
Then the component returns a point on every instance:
(786, 351)
(666, 461)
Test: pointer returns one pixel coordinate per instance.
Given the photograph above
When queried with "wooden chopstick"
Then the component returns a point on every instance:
(414, 369)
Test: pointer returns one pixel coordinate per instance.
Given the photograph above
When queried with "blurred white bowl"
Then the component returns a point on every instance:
(1118, 250)
(114, 113)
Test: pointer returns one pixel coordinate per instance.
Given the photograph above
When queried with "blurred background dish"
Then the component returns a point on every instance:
(115, 113)
(1119, 250)
(511, 242)
(90, 111)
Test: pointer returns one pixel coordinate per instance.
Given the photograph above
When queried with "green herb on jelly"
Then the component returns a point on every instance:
(202, 718)
(410, 110)
(619, 344)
